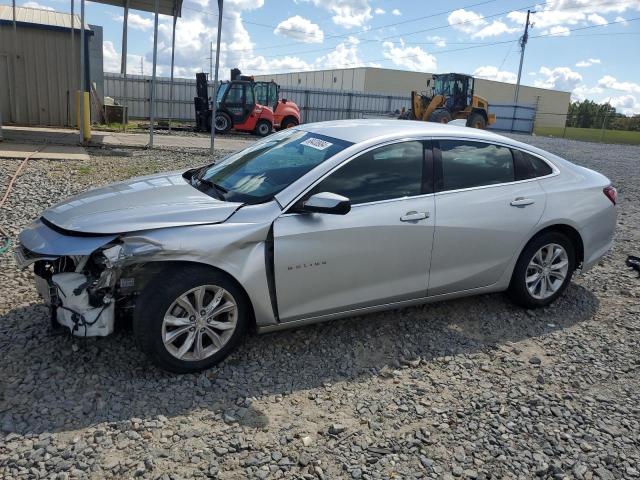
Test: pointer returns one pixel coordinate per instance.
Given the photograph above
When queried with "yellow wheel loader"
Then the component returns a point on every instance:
(451, 98)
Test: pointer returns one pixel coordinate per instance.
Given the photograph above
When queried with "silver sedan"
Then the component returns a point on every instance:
(314, 223)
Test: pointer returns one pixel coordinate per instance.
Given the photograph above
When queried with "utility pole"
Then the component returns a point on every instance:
(210, 60)
(141, 65)
(523, 43)
(215, 79)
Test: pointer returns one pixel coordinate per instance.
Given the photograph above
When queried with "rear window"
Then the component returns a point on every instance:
(474, 164)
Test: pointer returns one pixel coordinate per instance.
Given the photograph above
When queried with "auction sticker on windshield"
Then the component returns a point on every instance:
(316, 143)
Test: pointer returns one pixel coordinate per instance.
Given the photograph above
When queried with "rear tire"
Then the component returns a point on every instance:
(543, 270)
(223, 123)
(476, 120)
(288, 122)
(440, 115)
(263, 128)
(160, 312)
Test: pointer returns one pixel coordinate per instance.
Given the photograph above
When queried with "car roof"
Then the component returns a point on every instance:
(362, 130)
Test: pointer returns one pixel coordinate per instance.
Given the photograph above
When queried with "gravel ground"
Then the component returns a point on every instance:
(473, 388)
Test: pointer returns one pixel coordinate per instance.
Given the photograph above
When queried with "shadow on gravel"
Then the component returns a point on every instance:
(60, 383)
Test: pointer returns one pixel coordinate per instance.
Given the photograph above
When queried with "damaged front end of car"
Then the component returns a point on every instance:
(82, 277)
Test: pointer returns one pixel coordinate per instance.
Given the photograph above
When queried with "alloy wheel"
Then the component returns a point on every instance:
(547, 271)
(199, 323)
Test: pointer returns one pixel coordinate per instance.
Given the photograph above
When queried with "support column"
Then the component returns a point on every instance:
(16, 110)
(73, 62)
(123, 62)
(173, 54)
(152, 97)
(215, 79)
(82, 74)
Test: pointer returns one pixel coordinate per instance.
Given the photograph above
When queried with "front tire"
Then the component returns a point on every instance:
(190, 318)
(440, 115)
(223, 122)
(263, 128)
(543, 271)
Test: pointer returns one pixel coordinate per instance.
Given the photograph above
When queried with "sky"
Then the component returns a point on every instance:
(587, 47)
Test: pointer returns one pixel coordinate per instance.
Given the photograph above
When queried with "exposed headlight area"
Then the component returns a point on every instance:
(80, 289)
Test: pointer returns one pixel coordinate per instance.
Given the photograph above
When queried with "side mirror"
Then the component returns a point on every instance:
(326, 202)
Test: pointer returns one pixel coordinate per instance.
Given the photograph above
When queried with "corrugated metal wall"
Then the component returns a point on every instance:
(40, 93)
(316, 104)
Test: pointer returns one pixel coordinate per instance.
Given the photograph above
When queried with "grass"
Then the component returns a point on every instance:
(591, 135)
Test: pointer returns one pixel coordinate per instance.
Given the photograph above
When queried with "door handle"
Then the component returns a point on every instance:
(413, 216)
(522, 202)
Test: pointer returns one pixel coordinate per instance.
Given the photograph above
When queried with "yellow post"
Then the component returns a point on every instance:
(86, 121)
(86, 113)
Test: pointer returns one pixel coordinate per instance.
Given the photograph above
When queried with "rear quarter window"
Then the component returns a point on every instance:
(530, 166)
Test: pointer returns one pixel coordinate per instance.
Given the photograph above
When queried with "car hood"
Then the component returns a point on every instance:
(142, 203)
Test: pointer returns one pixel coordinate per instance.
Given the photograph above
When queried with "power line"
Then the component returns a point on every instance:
(348, 34)
(366, 40)
(471, 47)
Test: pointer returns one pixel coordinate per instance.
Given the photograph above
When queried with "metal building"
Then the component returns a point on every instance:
(38, 70)
(551, 105)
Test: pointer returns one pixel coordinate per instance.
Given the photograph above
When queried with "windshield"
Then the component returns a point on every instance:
(257, 173)
(222, 89)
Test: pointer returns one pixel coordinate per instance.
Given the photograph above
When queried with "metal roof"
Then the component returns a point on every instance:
(37, 16)
(167, 7)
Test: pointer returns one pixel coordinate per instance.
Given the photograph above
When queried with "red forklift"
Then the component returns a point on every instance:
(244, 105)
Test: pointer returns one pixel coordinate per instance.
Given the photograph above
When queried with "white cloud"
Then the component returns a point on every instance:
(439, 41)
(560, 13)
(558, 78)
(492, 73)
(611, 82)
(396, 12)
(466, 21)
(627, 104)
(32, 4)
(300, 28)
(242, 4)
(347, 13)
(413, 58)
(597, 19)
(343, 55)
(138, 22)
(557, 31)
(588, 62)
(379, 11)
(621, 19)
(495, 29)
(110, 58)
(582, 91)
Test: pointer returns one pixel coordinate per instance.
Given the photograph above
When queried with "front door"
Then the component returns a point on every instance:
(236, 102)
(484, 214)
(377, 253)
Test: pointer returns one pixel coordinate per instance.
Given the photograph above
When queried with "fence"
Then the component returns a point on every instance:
(315, 104)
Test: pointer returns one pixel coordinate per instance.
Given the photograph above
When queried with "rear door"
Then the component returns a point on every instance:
(483, 214)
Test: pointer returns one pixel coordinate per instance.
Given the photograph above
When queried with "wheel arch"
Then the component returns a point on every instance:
(143, 272)
(570, 232)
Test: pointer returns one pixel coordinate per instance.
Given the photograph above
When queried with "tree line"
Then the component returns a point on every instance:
(589, 114)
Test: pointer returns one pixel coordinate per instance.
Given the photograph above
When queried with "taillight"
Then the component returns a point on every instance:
(611, 193)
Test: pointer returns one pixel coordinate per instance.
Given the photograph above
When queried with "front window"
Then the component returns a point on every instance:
(257, 173)
(385, 173)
